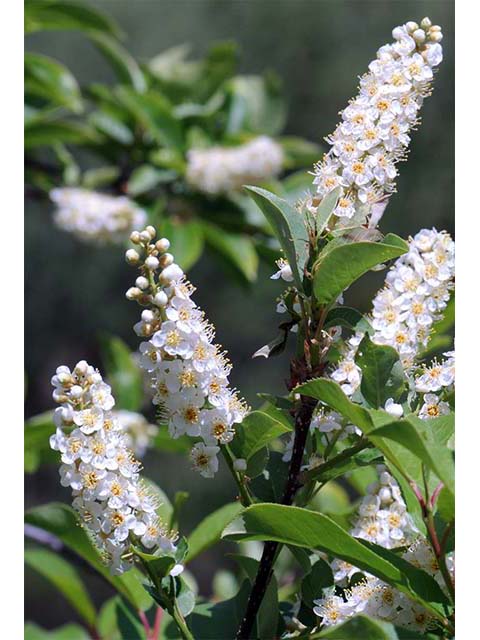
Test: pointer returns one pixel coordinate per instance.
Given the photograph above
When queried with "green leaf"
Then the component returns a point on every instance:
(325, 209)
(186, 241)
(289, 228)
(337, 268)
(95, 178)
(66, 632)
(122, 373)
(303, 528)
(143, 178)
(358, 628)
(42, 133)
(124, 65)
(419, 441)
(349, 318)
(112, 127)
(154, 113)
(382, 372)
(300, 152)
(209, 531)
(65, 578)
(159, 566)
(36, 441)
(237, 249)
(47, 79)
(256, 430)
(320, 577)
(163, 441)
(256, 105)
(128, 622)
(62, 521)
(52, 16)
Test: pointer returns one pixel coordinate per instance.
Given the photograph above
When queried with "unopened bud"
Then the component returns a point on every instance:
(133, 293)
(419, 36)
(76, 391)
(172, 272)
(434, 28)
(436, 36)
(166, 260)
(426, 23)
(411, 26)
(141, 282)
(131, 256)
(151, 230)
(147, 315)
(162, 245)
(151, 263)
(397, 34)
(135, 237)
(161, 299)
(81, 368)
(145, 236)
(240, 464)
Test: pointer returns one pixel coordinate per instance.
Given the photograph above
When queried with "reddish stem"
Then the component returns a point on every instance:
(157, 624)
(144, 619)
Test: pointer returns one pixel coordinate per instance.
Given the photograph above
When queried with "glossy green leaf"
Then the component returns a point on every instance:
(122, 372)
(300, 152)
(62, 521)
(303, 528)
(256, 431)
(325, 209)
(288, 226)
(154, 113)
(337, 268)
(209, 531)
(382, 372)
(256, 105)
(128, 622)
(349, 318)
(186, 241)
(99, 177)
(38, 430)
(52, 16)
(237, 249)
(111, 126)
(51, 81)
(319, 577)
(38, 133)
(163, 441)
(65, 578)
(359, 628)
(124, 65)
(143, 178)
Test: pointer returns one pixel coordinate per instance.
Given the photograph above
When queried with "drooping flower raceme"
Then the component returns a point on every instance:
(222, 169)
(373, 135)
(114, 504)
(416, 292)
(96, 217)
(188, 371)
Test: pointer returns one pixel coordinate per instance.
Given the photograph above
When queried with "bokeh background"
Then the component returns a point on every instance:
(74, 292)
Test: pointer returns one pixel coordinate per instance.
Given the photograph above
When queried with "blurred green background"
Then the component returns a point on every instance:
(74, 291)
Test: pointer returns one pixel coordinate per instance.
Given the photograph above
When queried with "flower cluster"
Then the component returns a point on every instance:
(382, 519)
(96, 217)
(416, 292)
(222, 169)
(114, 504)
(377, 599)
(139, 433)
(188, 371)
(373, 135)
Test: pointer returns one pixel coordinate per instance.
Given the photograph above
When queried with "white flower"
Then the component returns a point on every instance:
(204, 459)
(394, 409)
(222, 169)
(96, 217)
(284, 271)
(433, 407)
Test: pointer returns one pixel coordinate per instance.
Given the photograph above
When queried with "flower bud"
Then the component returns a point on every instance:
(426, 23)
(76, 391)
(436, 36)
(151, 230)
(133, 293)
(419, 36)
(161, 299)
(240, 464)
(411, 26)
(166, 260)
(145, 236)
(135, 237)
(172, 272)
(81, 368)
(147, 316)
(132, 257)
(152, 263)
(162, 245)
(141, 282)
(434, 28)
(397, 34)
